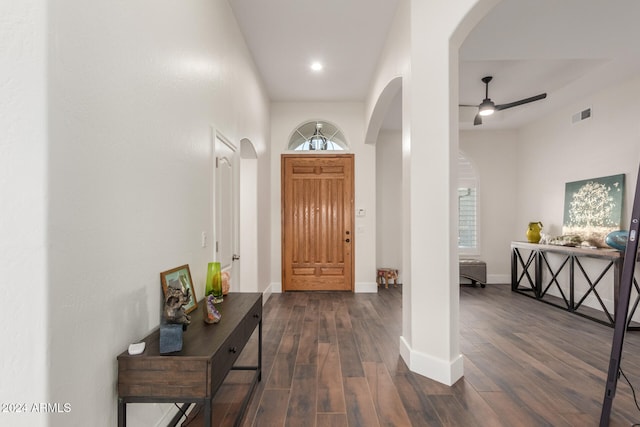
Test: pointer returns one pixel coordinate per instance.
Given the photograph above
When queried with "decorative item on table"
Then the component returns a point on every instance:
(226, 282)
(545, 238)
(214, 282)
(211, 313)
(617, 239)
(213, 293)
(533, 232)
(180, 278)
(593, 208)
(566, 240)
(174, 321)
(179, 300)
(174, 302)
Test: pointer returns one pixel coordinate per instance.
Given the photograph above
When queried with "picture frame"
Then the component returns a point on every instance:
(593, 208)
(180, 278)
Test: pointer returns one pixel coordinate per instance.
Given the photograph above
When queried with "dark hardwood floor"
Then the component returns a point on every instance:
(331, 359)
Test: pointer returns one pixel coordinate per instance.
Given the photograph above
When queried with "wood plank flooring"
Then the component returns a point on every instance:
(331, 359)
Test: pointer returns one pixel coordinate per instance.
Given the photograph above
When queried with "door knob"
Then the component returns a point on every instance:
(348, 240)
(235, 257)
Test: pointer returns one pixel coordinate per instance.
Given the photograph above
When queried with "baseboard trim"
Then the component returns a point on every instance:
(445, 372)
(274, 288)
(266, 294)
(499, 278)
(366, 288)
(360, 288)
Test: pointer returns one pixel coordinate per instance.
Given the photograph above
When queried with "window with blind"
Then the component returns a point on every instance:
(467, 207)
(467, 236)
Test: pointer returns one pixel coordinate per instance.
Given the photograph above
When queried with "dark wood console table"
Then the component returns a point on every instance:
(533, 275)
(194, 374)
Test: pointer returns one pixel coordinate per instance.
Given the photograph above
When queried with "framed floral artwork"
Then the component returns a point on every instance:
(593, 208)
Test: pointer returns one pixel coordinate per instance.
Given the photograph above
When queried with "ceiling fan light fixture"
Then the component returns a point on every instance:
(487, 108)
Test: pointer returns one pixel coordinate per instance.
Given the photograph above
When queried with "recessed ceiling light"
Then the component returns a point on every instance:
(316, 66)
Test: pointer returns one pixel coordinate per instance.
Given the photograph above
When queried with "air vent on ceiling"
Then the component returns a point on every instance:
(582, 115)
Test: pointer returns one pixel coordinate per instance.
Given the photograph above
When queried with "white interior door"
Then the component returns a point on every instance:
(225, 205)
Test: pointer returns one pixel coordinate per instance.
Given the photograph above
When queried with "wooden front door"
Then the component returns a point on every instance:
(317, 222)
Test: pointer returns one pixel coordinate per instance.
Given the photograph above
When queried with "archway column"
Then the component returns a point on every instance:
(430, 340)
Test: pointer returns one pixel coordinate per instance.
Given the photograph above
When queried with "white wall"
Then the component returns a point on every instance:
(135, 89)
(23, 152)
(553, 151)
(523, 174)
(389, 200)
(130, 168)
(494, 158)
(493, 154)
(348, 117)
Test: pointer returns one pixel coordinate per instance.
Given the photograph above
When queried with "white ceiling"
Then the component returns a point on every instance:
(567, 48)
(285, 36)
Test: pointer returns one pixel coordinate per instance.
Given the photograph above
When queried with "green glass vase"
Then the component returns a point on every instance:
(214, 282)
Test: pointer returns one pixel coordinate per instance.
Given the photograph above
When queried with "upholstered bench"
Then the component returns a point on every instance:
(474, 270)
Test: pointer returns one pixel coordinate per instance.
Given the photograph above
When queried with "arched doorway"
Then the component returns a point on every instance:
(429, 343)
(248, 217)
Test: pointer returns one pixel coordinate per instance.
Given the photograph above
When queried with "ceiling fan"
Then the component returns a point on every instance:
(488, 107)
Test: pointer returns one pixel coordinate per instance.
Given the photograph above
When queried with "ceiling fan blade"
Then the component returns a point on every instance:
(522, 101)
(468, 105)
(477, 120)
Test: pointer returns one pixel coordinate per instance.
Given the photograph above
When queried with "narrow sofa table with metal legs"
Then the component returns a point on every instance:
(534, 273)
(195, 373)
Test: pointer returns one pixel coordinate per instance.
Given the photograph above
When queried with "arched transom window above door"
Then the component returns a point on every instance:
(317, 136)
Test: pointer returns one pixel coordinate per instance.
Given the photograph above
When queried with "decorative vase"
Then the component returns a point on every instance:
(226, 282)
(214, 282)
(533, 232)
(617, 239)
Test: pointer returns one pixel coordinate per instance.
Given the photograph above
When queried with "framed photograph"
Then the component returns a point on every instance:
(180, 278)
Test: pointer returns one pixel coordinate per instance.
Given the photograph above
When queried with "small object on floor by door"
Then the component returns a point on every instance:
(387, 274)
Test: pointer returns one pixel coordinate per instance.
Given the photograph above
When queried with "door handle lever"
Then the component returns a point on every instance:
(235, 257)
